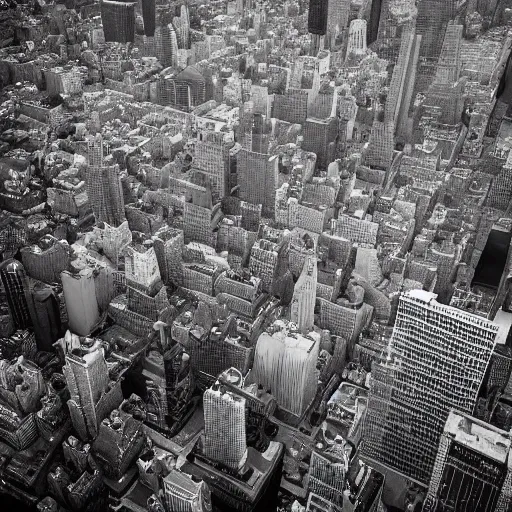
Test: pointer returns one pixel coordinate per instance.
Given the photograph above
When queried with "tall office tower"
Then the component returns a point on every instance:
(445, 95)
(168, 249)
(15, 283)
(387, 24)
(473, 468)
(149, 17)
(373, 28)
(182, 28)
(432, 20)
(246, 122)
(317, 24)
(304, 295)
(317, 17)
(184, 494)
(260, 136)
(441, 356)
(81, 301)
(292, 106)
(449, 63)
(320, 138)
(297, 73)
(337, 19)
(402, 82)
(118, 21)
(103, 185)
(257, 177)
(323, 105)
(185, 23)
(379, 151)
(285, 363)
(87, 379)
(224, 427)
(45, 313)
(189, 88)
(356, 38)
(197, 226)
(211, 158)
(95, 151)
(166, 45)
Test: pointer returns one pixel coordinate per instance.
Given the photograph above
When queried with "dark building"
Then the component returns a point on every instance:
(118, 19)
(373, 26)
(317, 20)
(14, 280)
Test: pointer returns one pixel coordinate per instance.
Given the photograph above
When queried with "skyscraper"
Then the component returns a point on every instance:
(14, 280)
(183, 494)
(449, 63)
(402, 82)
(433, 17)
(148, 15)
(103, 186)
(441, 356)
(303, 302)
(374, 22)
(166, 45)
(317, 24)
(81, 301)
(317, 17)
(445, 95)
(87, 378)
(379, 152)
(357, 38)
(257, 177)
(320, 138)
(118, 21)
(473, 469)
(285, 363)
(337, 18)
(224, 427)
(211, 158)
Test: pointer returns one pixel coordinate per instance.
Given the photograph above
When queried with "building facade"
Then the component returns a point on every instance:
(441, 357)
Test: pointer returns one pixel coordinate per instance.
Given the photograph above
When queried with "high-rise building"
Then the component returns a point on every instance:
(81, 300)
(379, 152)
(224, 427)
(291, 106)
(373, 28)
(149, 17)
(473, 468)
(184, 494)
(402, 82)
(211, 158)
(303, 302)
(441, 356)
(15, 283)
(285, 363)
(166, 45)
(337, 18)
(103, 185)
(433, 18)
(317, 17)
(118, 20)
(320, 138)
(257, 177)
(189, 88)
(357, 38)
(87, 378)
(445, 98)
(449, 63)
(197, 222)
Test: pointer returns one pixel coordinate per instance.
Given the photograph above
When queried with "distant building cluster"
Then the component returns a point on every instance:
(256, 256)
